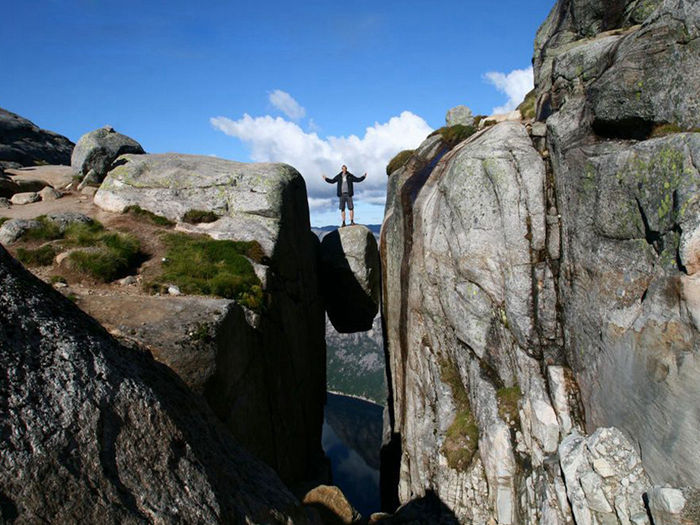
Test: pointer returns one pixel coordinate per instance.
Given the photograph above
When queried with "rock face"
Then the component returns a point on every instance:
(536, 275)
(267, 381)
(351, 278)
(93, 431)
(628, 285)
(22, 143)
(97, 150)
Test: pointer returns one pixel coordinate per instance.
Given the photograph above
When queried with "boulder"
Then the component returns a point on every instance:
(66, 218)
(98, 149)
(22, 143)
(674, 506)
(13, 229)
(49, 194)
(350, 276)
(284, 340)
(97, 432)
(461, 115)
(25, 197)
(332, 506)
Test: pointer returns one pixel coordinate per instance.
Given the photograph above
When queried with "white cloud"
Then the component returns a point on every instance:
(515, 85)
(287, 105)
(278, 140)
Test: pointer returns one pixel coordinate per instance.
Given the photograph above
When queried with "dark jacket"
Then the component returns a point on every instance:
(350, 178)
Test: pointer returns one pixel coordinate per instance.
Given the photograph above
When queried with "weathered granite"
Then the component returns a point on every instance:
(461, 115)
(96, 432)
(350, 278)
(262, 357)
(22, 143)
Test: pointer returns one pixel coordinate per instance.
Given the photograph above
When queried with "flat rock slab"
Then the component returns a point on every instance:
(248, 197)
(350, 272)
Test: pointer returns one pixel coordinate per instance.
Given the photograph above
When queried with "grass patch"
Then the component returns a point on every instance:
(200, 265)
(462, 436)
(42, 256)
(399, 161)
(111, 255)
(661, 130)
(199, 216)
(508, 400)
(58, 279)
(139, 212)
(46, 231)
(453, 135)
(527, 106)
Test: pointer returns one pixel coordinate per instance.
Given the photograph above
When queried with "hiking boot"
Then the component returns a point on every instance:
(352, 222)
(343, 225)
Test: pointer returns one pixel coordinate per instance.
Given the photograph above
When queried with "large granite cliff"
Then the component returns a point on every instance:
(540, 296)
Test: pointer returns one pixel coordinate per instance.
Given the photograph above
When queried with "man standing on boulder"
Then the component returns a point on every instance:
(344, 180)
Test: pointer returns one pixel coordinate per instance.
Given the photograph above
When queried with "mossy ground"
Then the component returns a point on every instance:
(453, 135)
(508, 405)
(42, 256)
(527, 106)
(158, 220)
(199, 216)
(201, 265)
(399, 161)
(462, 436)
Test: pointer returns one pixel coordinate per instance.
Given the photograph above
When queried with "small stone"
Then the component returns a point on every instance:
(88, 191)
(60, 285)
(128, 280)
(603, 468)
(174, 290)
(50, 194)
(25, 198)
(539, 129)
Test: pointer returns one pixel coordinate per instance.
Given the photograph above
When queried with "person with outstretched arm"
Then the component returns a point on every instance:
(344, 180)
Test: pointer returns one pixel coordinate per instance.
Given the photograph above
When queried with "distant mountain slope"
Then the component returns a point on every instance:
(22, 143)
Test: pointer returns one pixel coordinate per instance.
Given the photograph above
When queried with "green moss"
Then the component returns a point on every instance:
(111, 255)
(198, 216)
(200, 265)
(453, 135)
(58, 279)
(158, 220)
(462, 436)
(3, 220)
(661, 130)
(399, 161)
(508, 401)
(527, 106)
(42, 256)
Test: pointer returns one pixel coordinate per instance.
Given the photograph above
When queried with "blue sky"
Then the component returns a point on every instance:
(315, 84)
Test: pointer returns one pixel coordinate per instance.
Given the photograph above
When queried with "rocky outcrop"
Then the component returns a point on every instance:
(669, 506)
(350, 277)
(22, 143)
(262, 372)
(540, 284)
(94, 431)
(97, 150)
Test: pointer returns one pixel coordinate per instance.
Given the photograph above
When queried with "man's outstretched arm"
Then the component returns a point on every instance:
(330, 181)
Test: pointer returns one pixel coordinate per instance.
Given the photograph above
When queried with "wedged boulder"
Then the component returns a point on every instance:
(22, 143)
(351, 278)
(97, 150)
(96, 432)
(260, 357)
